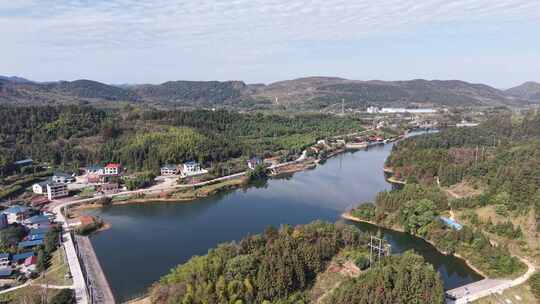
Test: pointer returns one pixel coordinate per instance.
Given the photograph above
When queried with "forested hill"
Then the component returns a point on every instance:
(144, 139)
(500, 158)
(529, 90)
(311, 93)
(282, 267)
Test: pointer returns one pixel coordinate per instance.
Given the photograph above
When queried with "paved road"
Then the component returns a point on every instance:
(79, 285)
(474, 291)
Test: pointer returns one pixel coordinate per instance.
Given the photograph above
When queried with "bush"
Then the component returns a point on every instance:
(534, 282)
(64, 296)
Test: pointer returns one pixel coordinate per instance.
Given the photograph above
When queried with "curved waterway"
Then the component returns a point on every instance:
(147, 240)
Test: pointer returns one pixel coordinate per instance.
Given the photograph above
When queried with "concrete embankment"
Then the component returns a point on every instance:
(98, 286)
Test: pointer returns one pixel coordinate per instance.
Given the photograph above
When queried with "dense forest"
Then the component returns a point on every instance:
(143, 139)
(416, 209)
(280, 266)
(501, 157)
(498, 162)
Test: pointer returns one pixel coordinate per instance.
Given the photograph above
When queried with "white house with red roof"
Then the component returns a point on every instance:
(112, 169)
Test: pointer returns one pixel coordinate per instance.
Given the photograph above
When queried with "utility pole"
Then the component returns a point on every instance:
(377, 249)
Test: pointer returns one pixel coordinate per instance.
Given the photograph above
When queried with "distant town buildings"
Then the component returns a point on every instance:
(377, 110)
(465, 124)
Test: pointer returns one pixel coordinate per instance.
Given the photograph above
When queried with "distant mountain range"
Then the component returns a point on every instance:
(303, 93)
(529, 91)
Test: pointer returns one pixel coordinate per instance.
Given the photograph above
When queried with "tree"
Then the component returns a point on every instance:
(64, 296)
(415, 215)
(42, 260)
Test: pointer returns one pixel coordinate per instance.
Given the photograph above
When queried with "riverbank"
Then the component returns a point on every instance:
(350, 217)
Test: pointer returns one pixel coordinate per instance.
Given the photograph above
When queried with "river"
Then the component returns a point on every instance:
(147, 240)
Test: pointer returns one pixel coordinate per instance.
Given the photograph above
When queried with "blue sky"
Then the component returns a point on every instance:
(128, 41)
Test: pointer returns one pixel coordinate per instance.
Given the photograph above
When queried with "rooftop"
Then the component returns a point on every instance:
(112, 165)
(22, 256)
(94, 167)
(16, 209)
(28, 244)
(23, 162)
(169, 166)
(5, 271)
(40, 230)
(62, 174)
(37, 219)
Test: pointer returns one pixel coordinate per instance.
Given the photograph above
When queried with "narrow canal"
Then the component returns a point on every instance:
(147, 240)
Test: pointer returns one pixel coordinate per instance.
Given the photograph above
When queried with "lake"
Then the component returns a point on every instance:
(147, 240)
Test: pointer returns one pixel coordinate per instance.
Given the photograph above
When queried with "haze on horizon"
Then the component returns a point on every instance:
(127, 41)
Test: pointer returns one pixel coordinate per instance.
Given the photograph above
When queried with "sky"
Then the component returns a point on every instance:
(496, 42)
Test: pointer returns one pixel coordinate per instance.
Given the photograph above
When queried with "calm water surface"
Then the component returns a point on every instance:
(147, 240)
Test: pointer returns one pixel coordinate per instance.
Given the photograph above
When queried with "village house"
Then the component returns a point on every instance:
(94, 170)
(40, 188)
(254, 162)
(30, 244)
(21, 257)
(109, 187)
(169, 169)
(16, 214)
(5, 272)
(30, 263)
(37, 221)
(192, 168)
(63, 178)
(112, 169)
(39, 201)
(56, 190)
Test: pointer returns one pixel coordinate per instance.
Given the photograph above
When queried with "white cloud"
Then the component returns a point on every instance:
(233, 30)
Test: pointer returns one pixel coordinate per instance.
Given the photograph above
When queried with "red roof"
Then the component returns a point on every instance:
(112, 165)
(30, 260)
(39, 200)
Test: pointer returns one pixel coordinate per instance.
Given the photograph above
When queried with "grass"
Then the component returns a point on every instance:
(28, 294)
(518, 295)
(57, 271)
(190, 193)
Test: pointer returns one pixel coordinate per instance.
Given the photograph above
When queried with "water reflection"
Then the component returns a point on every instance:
(146, 240)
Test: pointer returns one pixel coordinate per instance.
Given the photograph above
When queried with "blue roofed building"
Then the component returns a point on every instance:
(24, 162)
(451, 223)
(16, 214)
(36, 219)
(5, 272)
(18, 258)
(40, 230)
(36, 236)
(30, 244)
